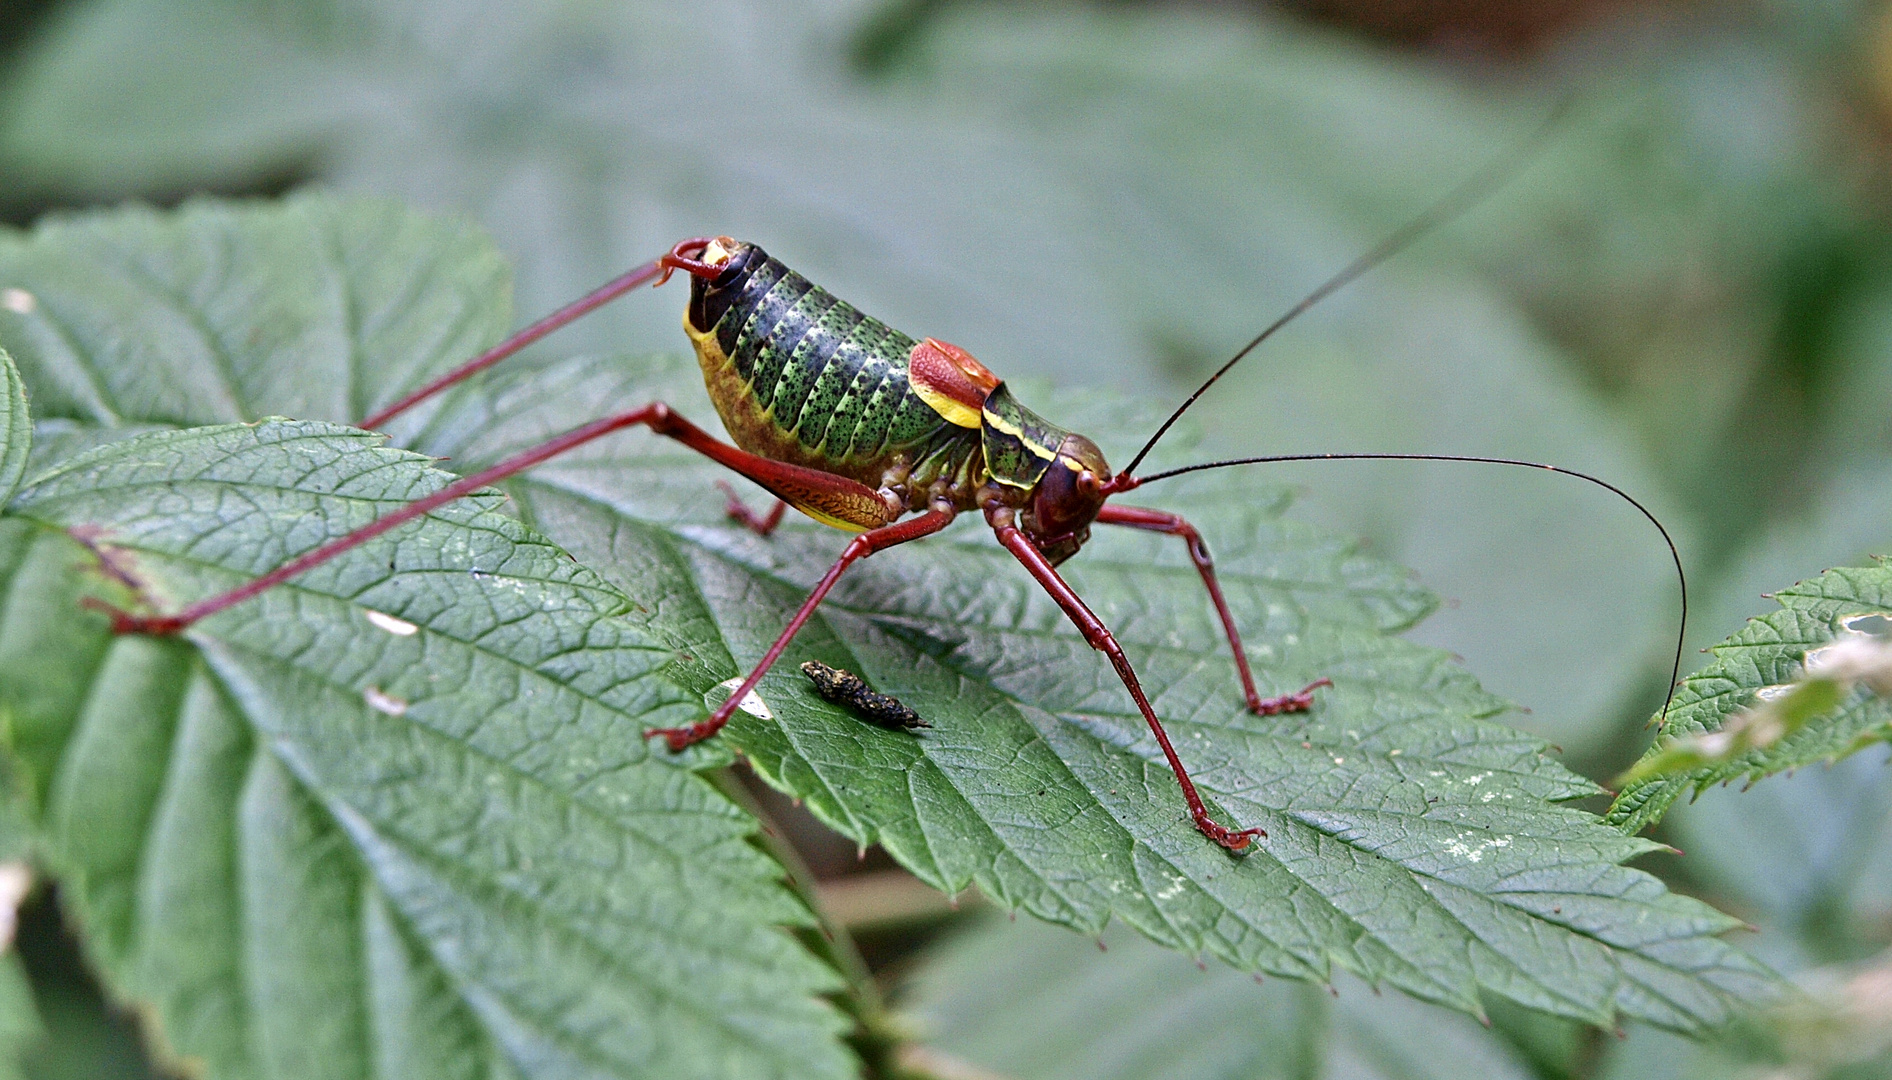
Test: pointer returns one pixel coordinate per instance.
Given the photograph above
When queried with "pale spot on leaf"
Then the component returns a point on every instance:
(751, 702)
(397, 627)
(382, 701)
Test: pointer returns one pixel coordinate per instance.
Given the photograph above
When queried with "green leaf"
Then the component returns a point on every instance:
(1411, 840)
(1766, 654)
(16, 428)
(1030, 1005)
(328, 307)
(20, 1028)
(1806, 856)
(315, 307)
(243, 127)
(395, 816)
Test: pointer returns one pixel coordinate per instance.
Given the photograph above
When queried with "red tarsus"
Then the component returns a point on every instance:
(760, 524)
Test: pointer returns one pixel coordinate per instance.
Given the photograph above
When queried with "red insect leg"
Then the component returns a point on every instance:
(1100, 638)
(1173, 524)
(681, 257)
(659, 417)
(760, 524)
(858, 548)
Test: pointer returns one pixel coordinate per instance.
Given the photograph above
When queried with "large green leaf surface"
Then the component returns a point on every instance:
(1413, 840)
(1768, 653)
(397, 817)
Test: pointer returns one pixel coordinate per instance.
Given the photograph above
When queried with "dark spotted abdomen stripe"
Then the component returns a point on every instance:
(829, 375)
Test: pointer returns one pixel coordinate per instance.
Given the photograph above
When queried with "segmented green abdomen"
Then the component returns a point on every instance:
(827, 374)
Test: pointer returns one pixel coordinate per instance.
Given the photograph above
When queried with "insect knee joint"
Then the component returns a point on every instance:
(1198, 549)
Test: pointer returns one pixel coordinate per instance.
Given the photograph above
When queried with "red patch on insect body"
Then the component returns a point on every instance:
(950, 380)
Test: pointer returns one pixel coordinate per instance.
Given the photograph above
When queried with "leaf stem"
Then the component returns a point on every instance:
(877, 1037)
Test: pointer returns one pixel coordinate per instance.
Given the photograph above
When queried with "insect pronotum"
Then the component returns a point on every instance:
(859, 426)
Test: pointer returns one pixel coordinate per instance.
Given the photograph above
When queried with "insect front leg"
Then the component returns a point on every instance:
(1164, 522)
(1102, 640)
(858, 548)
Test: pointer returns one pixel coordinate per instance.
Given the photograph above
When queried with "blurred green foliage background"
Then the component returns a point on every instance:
(1688, 291)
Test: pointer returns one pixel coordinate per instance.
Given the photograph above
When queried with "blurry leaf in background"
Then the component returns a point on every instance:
(1824, 901)
(193, 110)
(20, 1028)
(1826, 832)
(1032, 1005)
(588, 139)
(1764, 657)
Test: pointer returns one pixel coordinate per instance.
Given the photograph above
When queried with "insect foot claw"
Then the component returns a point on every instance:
(734, 507)
(679, 738)
(1232, 839)
(1300, 701)
(738, 511)
(124, 622)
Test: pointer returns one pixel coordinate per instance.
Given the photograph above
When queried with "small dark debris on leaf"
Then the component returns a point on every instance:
(847, 688)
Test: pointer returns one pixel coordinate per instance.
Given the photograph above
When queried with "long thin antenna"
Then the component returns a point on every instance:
(1465, 196)
(1681, 632)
